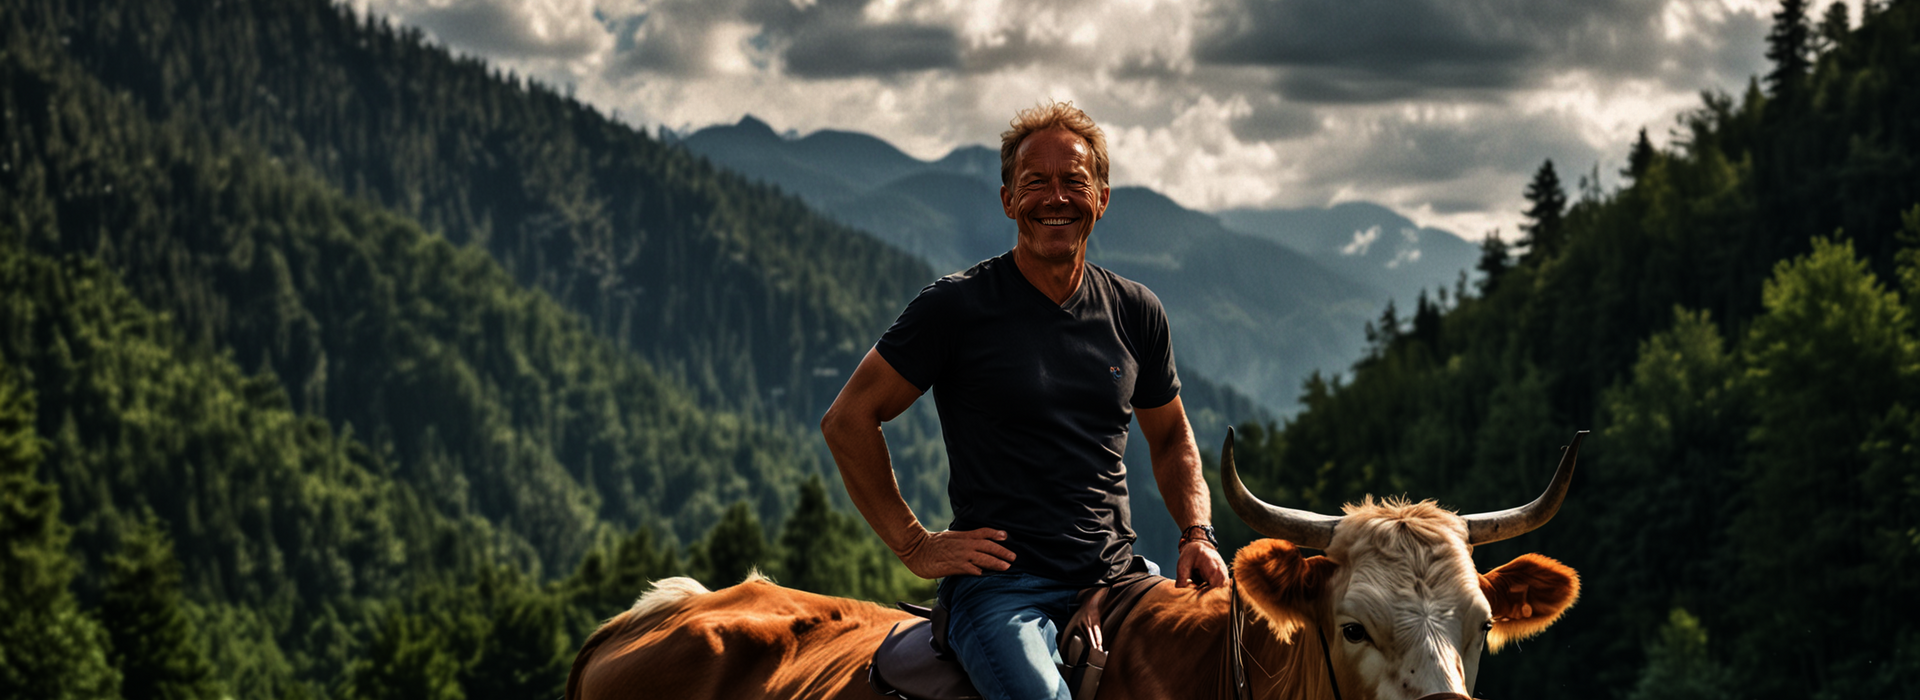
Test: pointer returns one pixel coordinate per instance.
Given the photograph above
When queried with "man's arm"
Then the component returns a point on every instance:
(875, 394)
(1176, 469)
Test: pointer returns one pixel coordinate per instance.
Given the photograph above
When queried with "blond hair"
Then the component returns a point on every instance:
(1053, 115)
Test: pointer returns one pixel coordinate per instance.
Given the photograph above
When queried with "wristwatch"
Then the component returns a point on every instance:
(1206, 535)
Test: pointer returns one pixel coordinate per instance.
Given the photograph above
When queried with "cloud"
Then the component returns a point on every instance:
(1375, 51)
(1273, 119)
(840, 50)
(546, 29)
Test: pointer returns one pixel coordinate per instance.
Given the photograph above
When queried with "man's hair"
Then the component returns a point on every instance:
(1053, 115)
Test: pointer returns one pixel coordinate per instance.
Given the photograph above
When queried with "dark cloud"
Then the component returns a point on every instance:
(502, 29)
(1273, 120)
(1378, 51)
(843, 50)
(825, 39)
(1405, 153)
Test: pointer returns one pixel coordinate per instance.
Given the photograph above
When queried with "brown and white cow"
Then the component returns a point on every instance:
(1394, 608)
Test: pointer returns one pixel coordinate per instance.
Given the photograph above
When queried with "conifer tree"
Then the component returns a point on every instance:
(525, 651)
(1788, 46)
(155, 644)
(1547, 206)
(734, 547)
(819, 545)
(1494, 261)
(48, 647)
(1640, 158)
(1834, 25)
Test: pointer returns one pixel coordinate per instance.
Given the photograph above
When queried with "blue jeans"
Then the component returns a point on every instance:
(1003, 628)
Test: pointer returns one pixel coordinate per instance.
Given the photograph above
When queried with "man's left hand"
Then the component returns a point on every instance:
(1199, 564)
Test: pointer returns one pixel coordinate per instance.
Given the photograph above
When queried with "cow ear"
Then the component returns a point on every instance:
(1280, 584)
(1527, 595)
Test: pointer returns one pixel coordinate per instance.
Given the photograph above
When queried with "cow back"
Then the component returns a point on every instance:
(750, 641)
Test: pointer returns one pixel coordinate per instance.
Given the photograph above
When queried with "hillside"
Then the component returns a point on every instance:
(349, 368)
(1366, 242)
(1737, 325)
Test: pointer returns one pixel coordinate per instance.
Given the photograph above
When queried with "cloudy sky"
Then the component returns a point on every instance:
(1440, 109)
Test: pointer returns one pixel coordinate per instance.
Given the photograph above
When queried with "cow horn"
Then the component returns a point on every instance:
(1514, 522)
(1303, 528)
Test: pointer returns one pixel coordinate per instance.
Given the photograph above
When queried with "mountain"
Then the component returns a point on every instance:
(1247, 311)
(1366, 242)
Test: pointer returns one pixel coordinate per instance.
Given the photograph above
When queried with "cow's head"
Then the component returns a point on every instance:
(1404, 612)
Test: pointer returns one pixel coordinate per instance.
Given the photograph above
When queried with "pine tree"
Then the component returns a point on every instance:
(1834, 25)
(1495, 259)
(1640, 158)
(820, 545)
(1789, 44)
(155, 644)
(525, 652)
(48, 647)
(735, 546)
(1547, 206)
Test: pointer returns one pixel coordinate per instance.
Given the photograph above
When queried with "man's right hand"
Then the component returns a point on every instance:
(949, 553)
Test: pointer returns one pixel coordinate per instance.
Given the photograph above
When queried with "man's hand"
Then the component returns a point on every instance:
(949, 553)
(1199, 564)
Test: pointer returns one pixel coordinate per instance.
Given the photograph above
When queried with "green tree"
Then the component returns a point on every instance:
(155, 644)
(610, 578)
(526, 650)
(734, 547)
(1495, 258)
(820, 547)
(1789, 46)
(1831, 357)
(407, 659)
(1546, 212)
(1640, 157)
(1680, 667)
(1834, 25)
(48, 647)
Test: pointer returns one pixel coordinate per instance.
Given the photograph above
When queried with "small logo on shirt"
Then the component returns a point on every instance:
(1115, 371)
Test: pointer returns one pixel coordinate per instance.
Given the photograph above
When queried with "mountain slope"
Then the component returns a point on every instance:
(1365, 242)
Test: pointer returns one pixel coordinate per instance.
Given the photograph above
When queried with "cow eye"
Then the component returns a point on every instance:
(1486, 627)
(1354, 632)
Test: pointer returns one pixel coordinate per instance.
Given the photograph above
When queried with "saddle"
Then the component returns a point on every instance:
(915, 663)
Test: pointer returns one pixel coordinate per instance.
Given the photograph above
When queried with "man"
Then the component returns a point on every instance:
(1038, 361)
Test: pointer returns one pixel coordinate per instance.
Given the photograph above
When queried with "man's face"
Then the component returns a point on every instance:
(1054, 198)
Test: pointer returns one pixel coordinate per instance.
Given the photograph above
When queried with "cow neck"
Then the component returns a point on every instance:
(1292, 654)
(1333, 681)
(1236, 651)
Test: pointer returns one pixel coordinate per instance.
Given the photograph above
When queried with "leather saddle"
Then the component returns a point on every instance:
(915, 663)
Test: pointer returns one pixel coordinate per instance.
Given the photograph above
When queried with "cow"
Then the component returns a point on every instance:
(1393, 609)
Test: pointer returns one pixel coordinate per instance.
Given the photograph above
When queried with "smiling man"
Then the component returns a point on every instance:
(1038, 361)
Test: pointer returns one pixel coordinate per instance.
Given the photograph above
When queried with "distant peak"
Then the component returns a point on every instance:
(752, 123)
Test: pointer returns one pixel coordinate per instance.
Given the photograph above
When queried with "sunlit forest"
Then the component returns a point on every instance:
(336, 366)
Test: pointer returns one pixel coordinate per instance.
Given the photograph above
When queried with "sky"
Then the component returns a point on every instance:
(1439, 109)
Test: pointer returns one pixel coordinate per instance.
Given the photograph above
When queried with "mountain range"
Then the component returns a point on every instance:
(1260, 299)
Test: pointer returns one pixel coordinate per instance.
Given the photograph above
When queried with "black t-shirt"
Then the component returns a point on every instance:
(1034, 400)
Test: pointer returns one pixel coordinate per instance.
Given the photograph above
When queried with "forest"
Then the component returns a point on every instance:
(333, 365)
(1736, 324)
